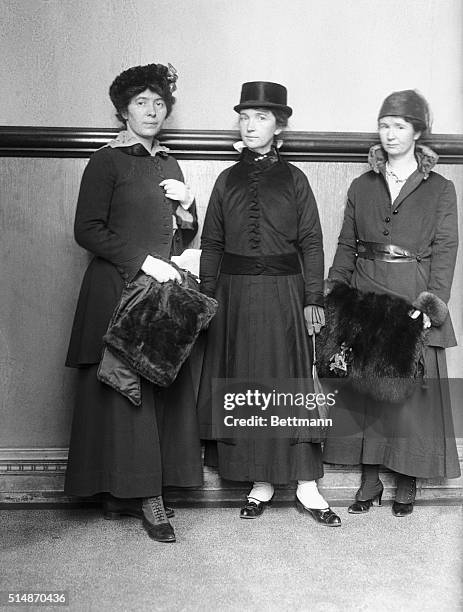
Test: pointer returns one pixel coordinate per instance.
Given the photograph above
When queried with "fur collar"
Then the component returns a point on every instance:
(426, 158)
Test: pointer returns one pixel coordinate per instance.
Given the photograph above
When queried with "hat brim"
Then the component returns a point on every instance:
(260, 104)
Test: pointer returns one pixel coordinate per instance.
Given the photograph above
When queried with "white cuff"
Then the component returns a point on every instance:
(143, 265)
(190, 197)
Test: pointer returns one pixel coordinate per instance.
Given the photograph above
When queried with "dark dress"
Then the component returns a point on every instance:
(417, 437)
(262, 213)
(123, 216)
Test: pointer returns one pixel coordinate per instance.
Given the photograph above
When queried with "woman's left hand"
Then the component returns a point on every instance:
(426, 320)
(314, 319)
(176, 190)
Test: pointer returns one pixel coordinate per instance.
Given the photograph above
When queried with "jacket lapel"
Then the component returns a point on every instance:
(409, 187)
(426, 159)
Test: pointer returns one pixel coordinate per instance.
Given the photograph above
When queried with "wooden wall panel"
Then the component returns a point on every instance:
(41, 270)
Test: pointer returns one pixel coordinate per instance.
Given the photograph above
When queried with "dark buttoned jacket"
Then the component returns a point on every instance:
(122, 217)
(422, 219)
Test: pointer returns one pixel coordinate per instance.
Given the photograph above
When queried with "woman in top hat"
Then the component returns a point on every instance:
(133, 209)
(261, 224)
(399, 237)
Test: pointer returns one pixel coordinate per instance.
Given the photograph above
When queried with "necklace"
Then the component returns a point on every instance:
(393, 176)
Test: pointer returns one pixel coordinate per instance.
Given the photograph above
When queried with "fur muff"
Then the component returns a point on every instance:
(373, 336)
(156, 324)
(436, 309)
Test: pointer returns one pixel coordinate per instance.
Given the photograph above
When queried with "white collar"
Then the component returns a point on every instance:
(126, 138)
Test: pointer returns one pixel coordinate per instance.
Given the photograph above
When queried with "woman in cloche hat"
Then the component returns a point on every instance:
(262, 259)
(134, 211)
(400, 238)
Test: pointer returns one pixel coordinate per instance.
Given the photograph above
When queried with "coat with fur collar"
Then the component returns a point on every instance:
(422, 219)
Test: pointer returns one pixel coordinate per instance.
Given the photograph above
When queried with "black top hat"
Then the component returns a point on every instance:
(262, 94)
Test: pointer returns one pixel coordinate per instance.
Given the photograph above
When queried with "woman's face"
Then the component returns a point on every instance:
(257, 128)
(397, 136)
(145, 115)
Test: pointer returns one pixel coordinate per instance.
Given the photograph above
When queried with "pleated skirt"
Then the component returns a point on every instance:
(259, 333)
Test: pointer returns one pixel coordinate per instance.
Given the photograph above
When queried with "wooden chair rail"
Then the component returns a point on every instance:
(31, 141)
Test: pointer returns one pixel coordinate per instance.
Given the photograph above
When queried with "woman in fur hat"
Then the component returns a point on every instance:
(399, 237)
(261, 223)
(133, 208)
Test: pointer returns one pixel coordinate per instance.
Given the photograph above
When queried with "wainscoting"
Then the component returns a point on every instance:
(42, 268)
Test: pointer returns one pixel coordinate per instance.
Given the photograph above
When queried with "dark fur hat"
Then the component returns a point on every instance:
(381, 343)
(156, 77)
(408, 104)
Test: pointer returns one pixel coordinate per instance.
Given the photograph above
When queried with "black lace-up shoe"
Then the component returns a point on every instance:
(155, 520)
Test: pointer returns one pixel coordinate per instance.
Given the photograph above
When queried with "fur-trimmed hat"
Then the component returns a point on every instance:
(133, 81)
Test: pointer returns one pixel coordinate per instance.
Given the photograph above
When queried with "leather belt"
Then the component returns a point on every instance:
(385, 252)
(269, 265)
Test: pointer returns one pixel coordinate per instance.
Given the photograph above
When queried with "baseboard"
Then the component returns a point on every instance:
(36, 476)
(32, 474)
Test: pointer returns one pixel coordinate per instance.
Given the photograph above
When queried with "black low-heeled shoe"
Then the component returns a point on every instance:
(116, 507)
(360, 506)
(324, 517)
(253, 508)
(399, 509)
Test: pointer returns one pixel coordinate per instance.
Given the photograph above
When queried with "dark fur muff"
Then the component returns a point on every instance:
(156, 324)
(386, 343)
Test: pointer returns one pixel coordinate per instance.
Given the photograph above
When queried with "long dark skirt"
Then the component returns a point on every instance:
(414, 438)
(259, 333)
(133, 451)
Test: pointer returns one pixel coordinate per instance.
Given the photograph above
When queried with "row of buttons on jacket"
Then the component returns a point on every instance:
(388, 220)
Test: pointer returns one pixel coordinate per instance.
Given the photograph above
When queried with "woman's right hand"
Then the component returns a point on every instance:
(160, 270)
(426, 320)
